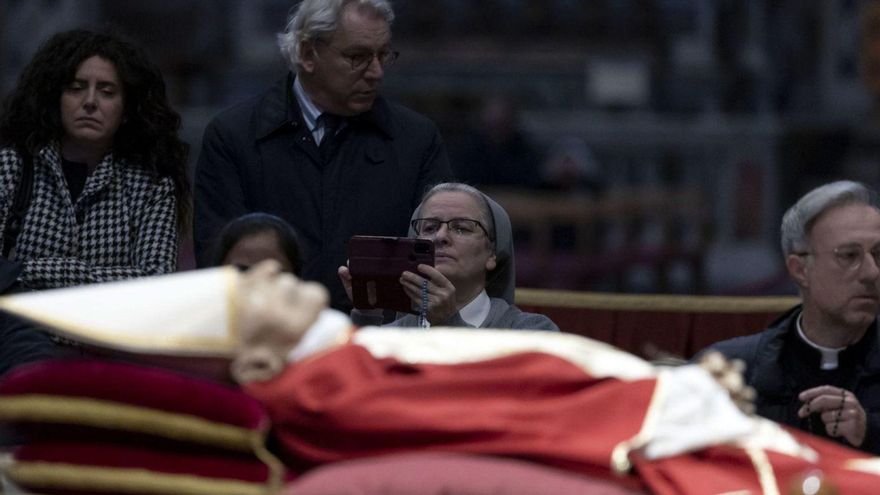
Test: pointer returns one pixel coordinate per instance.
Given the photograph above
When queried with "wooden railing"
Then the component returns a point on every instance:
(649, 325)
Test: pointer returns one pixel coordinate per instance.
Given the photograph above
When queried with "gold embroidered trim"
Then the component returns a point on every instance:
(46, 475)
(276, 468)
(115, 416)
(620, 462)
(654, 302)
(870, 465)
(764, 470)
(231, 278)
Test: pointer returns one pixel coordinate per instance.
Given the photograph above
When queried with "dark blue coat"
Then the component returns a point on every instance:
(260, 156)
(779, 365)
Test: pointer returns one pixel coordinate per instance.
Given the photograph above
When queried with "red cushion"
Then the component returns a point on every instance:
(129, 402)
(447, 474)
(61, 467)
(136, 385)
(108, 427)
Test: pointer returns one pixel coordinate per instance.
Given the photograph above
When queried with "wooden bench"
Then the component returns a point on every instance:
(575, 241)
(654, 326)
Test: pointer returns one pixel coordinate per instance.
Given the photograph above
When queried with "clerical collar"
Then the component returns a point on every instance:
(829, 355)
(475, 312)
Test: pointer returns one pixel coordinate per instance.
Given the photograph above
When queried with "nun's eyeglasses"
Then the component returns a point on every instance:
(460, 227)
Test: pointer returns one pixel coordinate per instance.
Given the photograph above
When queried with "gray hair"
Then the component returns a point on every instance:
(500, 282)
(799, 219)
(487, 219)
(315, 19)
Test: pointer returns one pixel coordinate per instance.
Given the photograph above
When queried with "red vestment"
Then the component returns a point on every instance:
(347, 404)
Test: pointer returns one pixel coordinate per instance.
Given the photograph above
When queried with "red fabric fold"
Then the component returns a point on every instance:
(348, 404)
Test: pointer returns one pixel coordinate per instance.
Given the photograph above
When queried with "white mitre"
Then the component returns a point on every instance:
(199, 313)
(187, 313)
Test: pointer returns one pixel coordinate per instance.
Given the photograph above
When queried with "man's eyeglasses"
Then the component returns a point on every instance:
(461, 227)
(849, 257)
(360, 60)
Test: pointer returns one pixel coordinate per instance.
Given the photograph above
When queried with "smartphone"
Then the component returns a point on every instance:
(376, 263)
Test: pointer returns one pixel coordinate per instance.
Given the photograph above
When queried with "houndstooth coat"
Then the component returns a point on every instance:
(123, 225)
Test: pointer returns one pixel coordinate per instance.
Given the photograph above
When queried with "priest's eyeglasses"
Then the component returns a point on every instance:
(849, 257)
(460, 227)
(360, 60)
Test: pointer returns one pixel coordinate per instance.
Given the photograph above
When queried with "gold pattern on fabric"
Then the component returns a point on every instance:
(115, 416)
(50, 475)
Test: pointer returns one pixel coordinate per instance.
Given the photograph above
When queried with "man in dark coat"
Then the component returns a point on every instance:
(321, 149)
(818, 367)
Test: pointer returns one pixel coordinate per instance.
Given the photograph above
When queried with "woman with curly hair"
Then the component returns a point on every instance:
(110, 193)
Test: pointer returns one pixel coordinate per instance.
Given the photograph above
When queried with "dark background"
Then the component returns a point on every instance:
(748, 102)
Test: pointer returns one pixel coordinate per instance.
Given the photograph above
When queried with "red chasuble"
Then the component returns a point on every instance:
(347, 404)
(727, 469)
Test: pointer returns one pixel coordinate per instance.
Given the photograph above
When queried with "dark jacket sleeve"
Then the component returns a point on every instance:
(735, 348)
(366, 318)
(744, 348)
(435, 164)
(22, 342)
(534, 321)
(872, 433)
(218, 195)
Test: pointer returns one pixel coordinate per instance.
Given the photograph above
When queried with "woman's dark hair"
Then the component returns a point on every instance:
(257, 223)
(147, 137)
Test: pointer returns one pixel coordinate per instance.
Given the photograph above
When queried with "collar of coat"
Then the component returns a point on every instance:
(278, 109)
(98, 179)
(773, 340)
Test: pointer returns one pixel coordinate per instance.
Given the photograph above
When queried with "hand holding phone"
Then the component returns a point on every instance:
(376, 263)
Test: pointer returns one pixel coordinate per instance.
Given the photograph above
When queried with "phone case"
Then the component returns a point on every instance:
(376, 263)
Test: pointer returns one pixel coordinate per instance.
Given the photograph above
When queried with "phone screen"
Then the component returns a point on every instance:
(376, 263)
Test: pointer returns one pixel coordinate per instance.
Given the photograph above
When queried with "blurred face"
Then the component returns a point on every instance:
(464, 260)
(92, 106)
(839, 275)
(252, 249)
(326, 71)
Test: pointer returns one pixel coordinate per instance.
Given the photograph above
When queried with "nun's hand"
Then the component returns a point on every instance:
(345, 278)
(440, 292)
